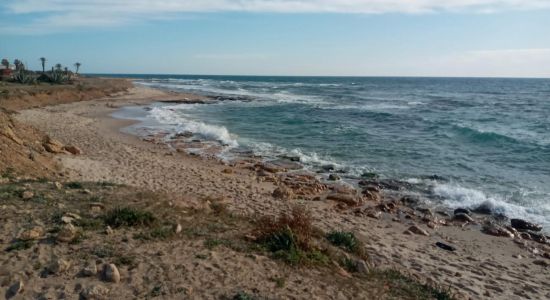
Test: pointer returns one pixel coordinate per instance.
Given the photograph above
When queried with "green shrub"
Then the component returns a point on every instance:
(19, 245)
(127, 216)
(345, 240)
(25, 77)
(74, 185)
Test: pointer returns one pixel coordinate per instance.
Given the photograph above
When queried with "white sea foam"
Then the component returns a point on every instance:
(169, 116)
(455, 196)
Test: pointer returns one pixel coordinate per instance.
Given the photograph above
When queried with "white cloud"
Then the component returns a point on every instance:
(54, 15)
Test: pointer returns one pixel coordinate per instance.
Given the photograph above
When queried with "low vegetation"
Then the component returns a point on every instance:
(128, 216)
(144, 220)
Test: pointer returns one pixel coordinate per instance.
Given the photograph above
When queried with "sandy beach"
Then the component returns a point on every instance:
(481, 266)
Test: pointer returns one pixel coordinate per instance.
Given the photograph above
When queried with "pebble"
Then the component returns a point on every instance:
(90, 269)
(94, 292)
(462, 217)
(362, 266)
(109, 230)
(110, 273)
(67, 233)
(178, 228)
(34, 233)
(27, 195)
(16, 288)
(417, 230)
(542, 263)
(59, 266)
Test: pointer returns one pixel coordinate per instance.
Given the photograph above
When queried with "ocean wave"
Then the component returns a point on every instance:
(484, 136)
(168, 116)
(455, 196)
(508, 135)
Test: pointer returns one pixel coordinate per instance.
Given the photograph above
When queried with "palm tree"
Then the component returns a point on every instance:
(43, 61)
(6, 63)
(58, 67)
(77, 65)
(17, 64)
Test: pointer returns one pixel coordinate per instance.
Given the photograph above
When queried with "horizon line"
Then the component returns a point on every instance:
(319, 76)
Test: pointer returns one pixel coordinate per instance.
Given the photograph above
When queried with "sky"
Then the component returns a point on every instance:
(465, 38)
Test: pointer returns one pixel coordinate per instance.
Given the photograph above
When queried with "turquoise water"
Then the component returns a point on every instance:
(487, 140)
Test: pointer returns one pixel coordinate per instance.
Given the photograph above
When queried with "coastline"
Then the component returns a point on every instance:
(483, 266)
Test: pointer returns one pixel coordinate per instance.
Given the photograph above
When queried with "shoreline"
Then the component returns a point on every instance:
(483, 266)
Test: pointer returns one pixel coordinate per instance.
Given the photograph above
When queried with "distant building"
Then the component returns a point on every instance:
(6, 72)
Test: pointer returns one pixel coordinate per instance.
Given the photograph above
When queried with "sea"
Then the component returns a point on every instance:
(465, 141)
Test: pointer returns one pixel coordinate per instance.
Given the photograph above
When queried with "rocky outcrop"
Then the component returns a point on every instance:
(523, 225)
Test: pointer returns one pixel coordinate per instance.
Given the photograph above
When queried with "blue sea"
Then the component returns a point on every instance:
(487, 140)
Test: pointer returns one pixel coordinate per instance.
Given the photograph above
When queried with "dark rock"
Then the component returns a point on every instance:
(328, 168)
(540, 238)
(333, 177)
(369, 175)
(500, 217)
(523, 225)
(435, 177)
(410, 200)
(445, 246)
(486, 208)
(461, 211)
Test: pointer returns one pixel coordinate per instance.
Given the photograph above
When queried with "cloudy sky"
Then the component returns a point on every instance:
(504, 38)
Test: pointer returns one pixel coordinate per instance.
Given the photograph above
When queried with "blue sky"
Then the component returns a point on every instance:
(505, 38)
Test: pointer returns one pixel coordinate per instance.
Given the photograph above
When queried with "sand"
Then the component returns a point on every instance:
(482, 267)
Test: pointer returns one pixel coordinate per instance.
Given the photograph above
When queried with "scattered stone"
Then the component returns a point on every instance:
(369, 175)
(461, 211)
(517, 256)
(15, 289)
(96, 207)
(227, 171)
(59, 266)
(53, 146)
(177, 228)
(90, 269)
(410, 200)
(462, 217)
(34, 233)
(109, 230)
(348, 199)
(362, 266)
(445, 246)
(73, 150)
(282, 192)
(26, 195)
(95, 292)
(520, 224)
(333, 177)
(58, 185)
(110, 273)
(67, 233)
(374, 214)
(493, 229)
(525, 235)
(546, 255)
(417, 230)
(539, 238)
(443, 213)
(542, 263)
